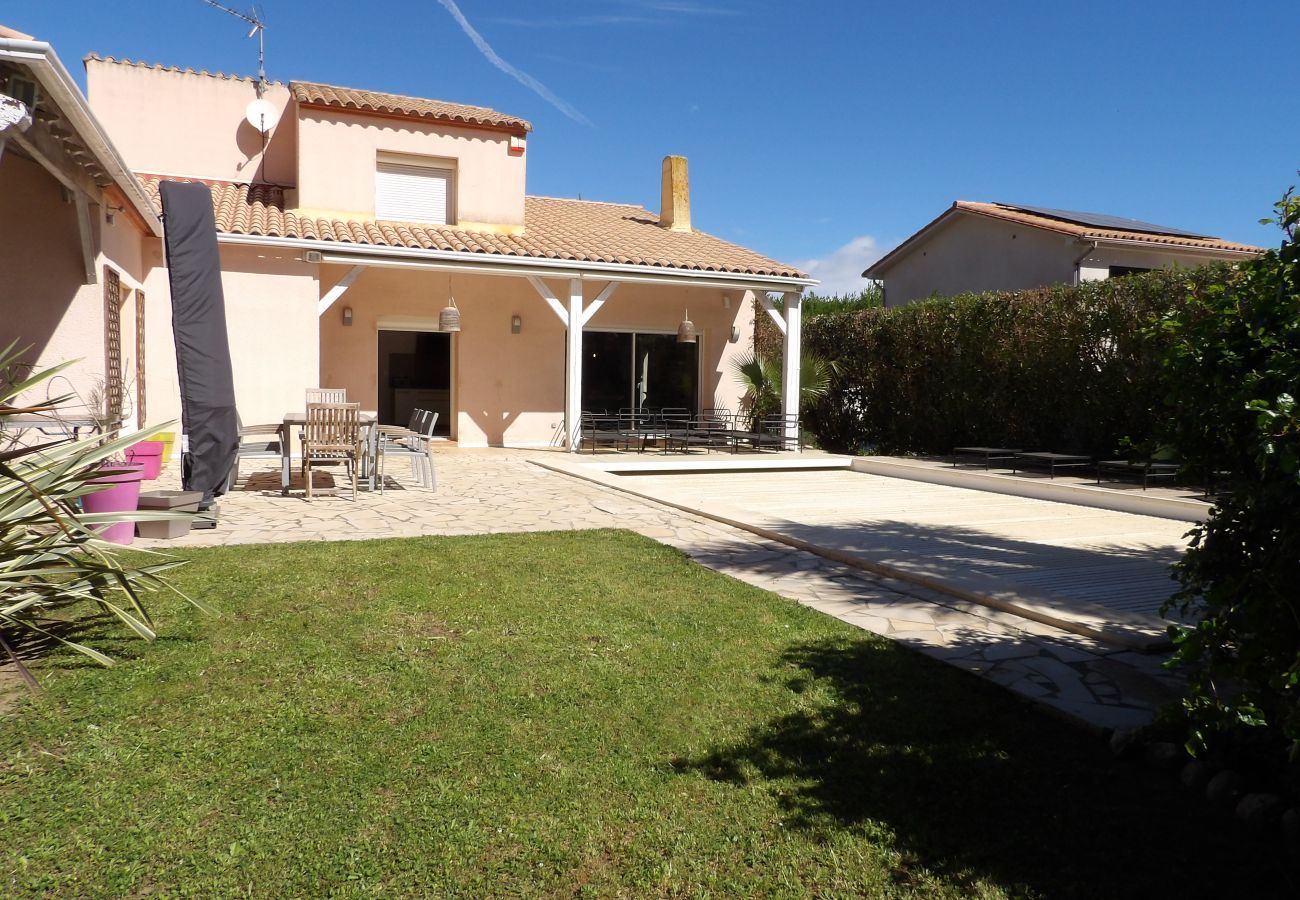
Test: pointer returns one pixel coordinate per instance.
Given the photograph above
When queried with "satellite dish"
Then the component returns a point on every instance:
(262, 115)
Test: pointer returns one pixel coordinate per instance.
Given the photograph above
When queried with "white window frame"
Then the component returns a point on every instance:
(435, 166)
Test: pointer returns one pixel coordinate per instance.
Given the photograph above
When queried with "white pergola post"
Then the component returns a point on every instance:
(573, 368)
(790, 362)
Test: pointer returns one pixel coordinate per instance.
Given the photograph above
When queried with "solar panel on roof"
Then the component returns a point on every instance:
(1099, 220)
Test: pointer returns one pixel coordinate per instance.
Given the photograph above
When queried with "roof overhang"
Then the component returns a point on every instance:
(55, 81)
(337, 253)
(1157, 247)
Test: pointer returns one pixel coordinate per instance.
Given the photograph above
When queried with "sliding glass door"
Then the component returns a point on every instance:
(639, 370)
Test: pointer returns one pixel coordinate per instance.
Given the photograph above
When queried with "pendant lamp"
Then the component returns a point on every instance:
(686, 330)
(449, 318)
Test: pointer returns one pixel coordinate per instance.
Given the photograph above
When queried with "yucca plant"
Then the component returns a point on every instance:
(54, 569)
(761, 378)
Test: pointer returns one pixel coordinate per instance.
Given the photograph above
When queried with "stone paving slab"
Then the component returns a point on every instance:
(496, 491)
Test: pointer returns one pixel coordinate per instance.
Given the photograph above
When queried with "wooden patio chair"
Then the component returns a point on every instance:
(327, 395)
(332, 436)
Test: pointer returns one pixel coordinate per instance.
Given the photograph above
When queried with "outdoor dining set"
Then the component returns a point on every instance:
(677, 430)
(333, 432)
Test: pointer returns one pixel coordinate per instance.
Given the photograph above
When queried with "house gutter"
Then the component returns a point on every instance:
(55, 80)
(1132, 244)
(337, 253)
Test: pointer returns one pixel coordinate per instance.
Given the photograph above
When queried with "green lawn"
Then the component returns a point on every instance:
(584, 714)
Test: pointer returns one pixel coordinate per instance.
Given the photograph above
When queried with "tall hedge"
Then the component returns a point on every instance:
(1068, 369)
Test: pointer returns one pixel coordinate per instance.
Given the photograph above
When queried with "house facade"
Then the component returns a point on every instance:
(995, 247)
(349, 220)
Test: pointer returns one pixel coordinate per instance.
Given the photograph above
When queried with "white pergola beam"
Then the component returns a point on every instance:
(790, 359)
(595, 305)
(766, 302)
(549, 296)
(334, 293)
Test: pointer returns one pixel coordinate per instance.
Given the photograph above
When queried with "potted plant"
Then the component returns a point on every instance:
(120, 494)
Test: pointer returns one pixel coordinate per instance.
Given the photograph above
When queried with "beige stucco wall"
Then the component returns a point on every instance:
(44, 300)
(336, 168)
(271, 299)
(182, 123)
(977, 253)
(1097, 265)
(508, 389)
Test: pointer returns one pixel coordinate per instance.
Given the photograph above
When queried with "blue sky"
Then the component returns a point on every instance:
(819, 132)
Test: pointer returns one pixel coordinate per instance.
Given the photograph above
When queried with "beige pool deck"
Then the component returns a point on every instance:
(913, 561)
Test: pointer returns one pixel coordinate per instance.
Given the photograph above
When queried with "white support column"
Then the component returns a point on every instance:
(573, 368)
(790, 359)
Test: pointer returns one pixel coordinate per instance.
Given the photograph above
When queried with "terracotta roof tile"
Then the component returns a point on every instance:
(576, 230)
(1064, 226)
(396, 104)
(95, 57)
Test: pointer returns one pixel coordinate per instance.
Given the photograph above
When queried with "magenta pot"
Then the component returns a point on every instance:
(149, 454)
(122, 496)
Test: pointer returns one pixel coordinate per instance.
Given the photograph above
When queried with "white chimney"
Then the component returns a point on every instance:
(675, 195)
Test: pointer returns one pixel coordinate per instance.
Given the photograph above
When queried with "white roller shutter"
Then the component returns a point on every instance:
(412, 193)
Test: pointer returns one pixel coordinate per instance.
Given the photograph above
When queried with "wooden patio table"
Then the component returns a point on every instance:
(299, 419)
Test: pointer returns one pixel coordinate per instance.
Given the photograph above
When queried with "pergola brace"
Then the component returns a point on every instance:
(86, 234)
(334, 293)
(549, 296)
(594, 306)
(766, 302)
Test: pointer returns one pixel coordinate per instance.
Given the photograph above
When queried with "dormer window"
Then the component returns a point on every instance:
(415, 189)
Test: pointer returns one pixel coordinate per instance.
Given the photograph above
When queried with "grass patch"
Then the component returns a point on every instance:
(584, 714)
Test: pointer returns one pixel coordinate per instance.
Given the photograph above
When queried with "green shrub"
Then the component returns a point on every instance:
(1071, 369)
(54, 570)
(1232, 370)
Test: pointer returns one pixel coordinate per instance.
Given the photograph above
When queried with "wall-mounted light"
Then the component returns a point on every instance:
(735, 335)
(726, 300)
(516, 324)
(347, 316)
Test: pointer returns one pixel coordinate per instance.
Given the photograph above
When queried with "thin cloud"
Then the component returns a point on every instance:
(522, 77)
(840, 271)
(636, 12)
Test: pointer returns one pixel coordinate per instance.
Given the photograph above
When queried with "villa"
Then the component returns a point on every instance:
(373, 242)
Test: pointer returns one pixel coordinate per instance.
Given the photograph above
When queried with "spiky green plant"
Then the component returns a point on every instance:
(54, 569)
(761, 378)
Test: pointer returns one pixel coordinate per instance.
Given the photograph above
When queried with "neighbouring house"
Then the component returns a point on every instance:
(997, 247)
(348, 220)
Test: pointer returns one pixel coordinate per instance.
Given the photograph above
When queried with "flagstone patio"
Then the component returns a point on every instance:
(495, 491)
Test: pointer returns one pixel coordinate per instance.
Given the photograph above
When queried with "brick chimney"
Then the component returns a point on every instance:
(675, 195)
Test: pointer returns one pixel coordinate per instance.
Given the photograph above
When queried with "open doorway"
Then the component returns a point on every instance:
(414, 373)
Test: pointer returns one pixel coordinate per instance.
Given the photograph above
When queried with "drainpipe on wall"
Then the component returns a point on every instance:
(1092, 248)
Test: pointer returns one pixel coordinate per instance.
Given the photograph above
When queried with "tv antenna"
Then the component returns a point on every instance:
(257, 19)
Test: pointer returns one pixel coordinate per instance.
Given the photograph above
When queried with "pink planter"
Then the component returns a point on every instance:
(149, 454)
(121, 497)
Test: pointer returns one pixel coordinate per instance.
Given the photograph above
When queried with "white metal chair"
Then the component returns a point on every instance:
(414, 442)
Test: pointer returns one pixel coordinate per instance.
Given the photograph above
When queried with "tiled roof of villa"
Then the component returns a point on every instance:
(396, 104)
(1090, 232)
(554, 229)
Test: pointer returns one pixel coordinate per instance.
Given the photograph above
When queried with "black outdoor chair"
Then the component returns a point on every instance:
(600, 428)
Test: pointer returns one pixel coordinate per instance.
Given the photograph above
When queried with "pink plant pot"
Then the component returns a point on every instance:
(149, 454)
(122, 496)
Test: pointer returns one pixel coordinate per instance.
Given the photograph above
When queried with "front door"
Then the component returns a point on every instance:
(414, 373)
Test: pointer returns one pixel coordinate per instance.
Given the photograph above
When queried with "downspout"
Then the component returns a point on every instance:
(1092, 248)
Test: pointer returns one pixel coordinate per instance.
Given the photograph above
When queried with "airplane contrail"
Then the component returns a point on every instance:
(523, 78)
